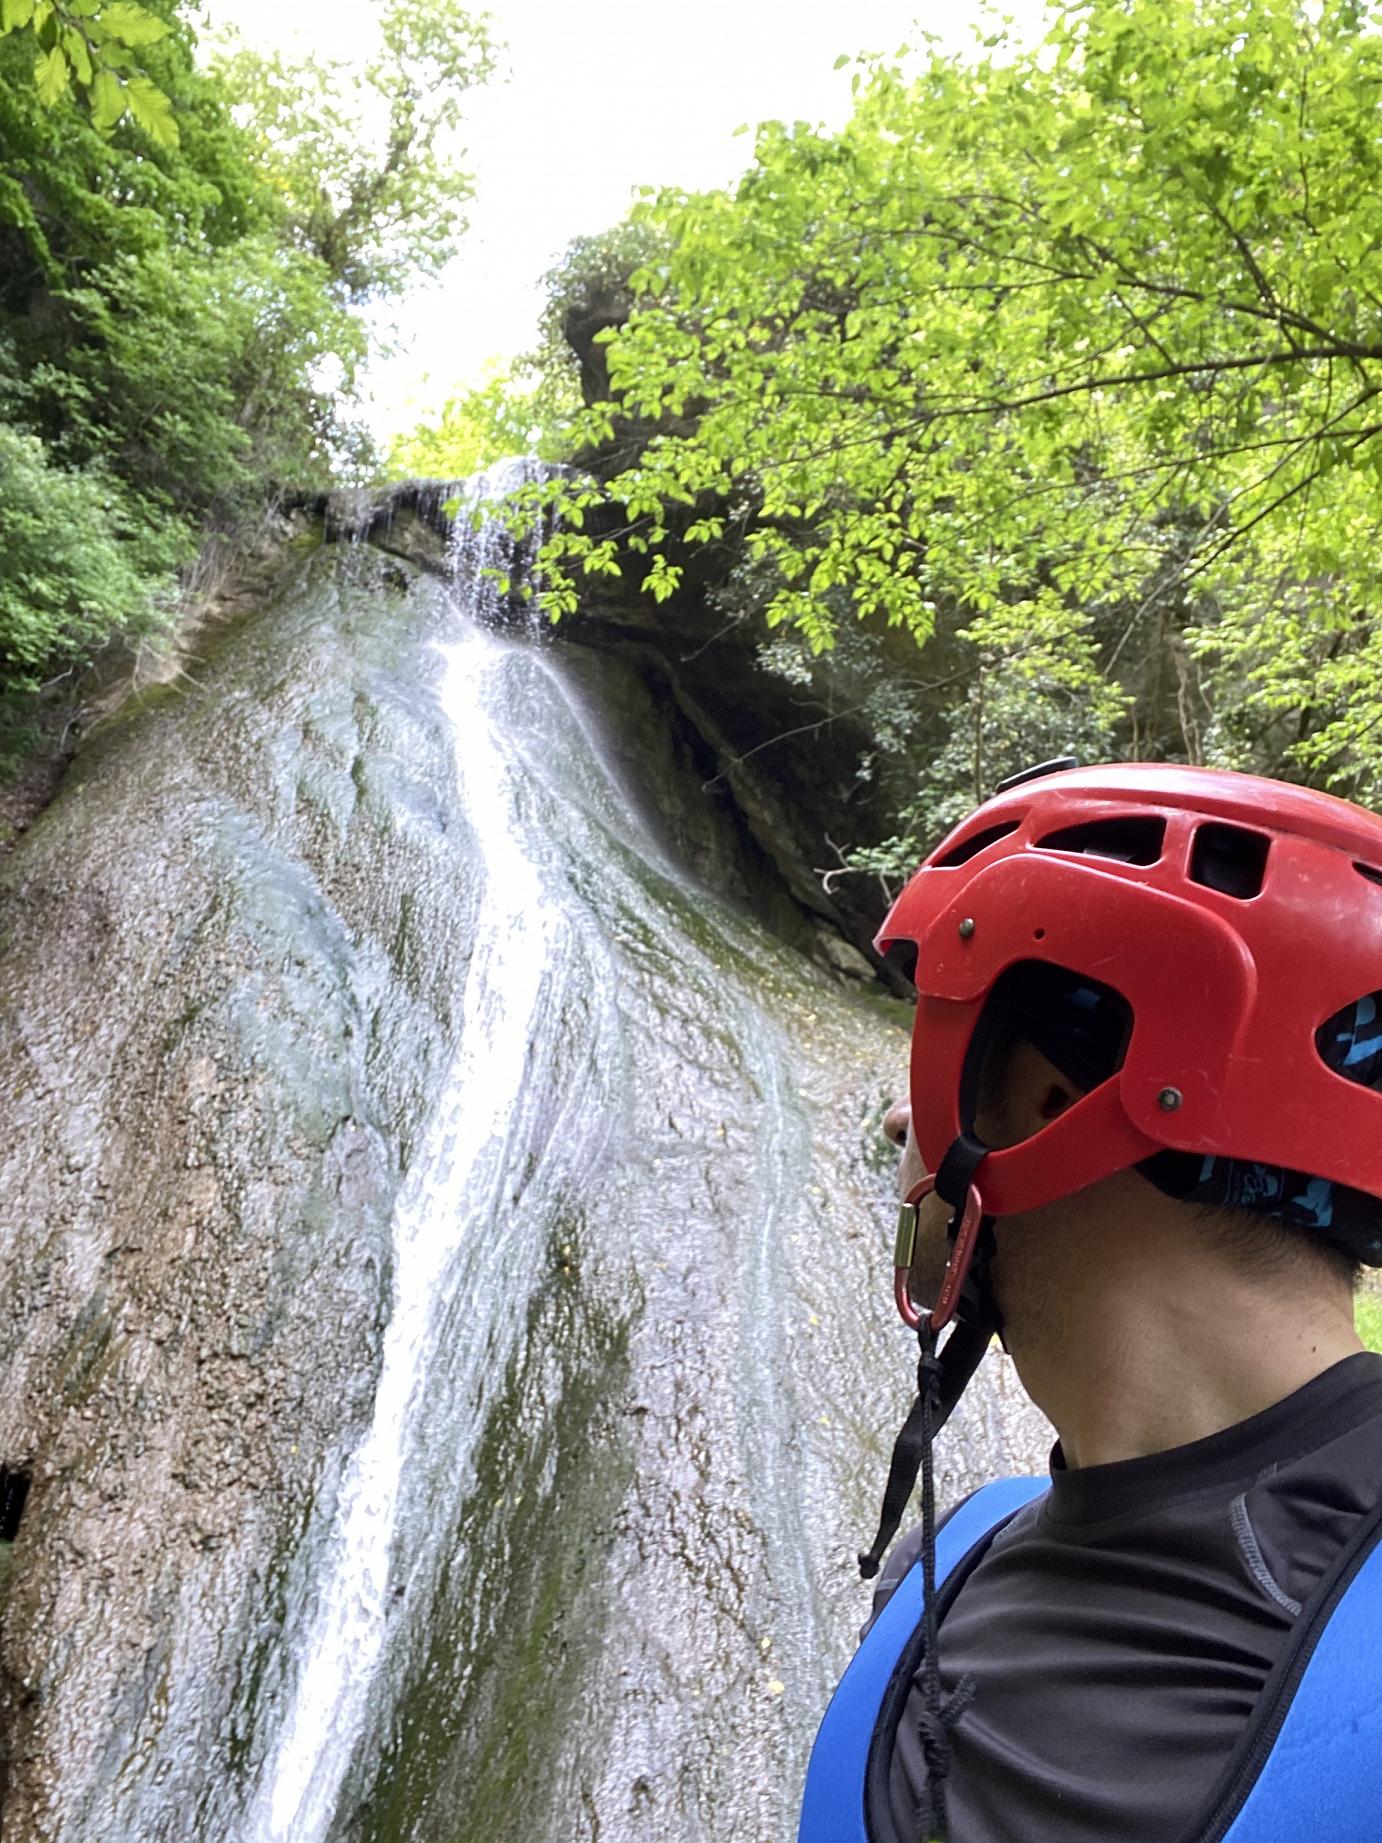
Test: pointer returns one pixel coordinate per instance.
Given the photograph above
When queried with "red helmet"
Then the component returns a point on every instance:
(1234, 915)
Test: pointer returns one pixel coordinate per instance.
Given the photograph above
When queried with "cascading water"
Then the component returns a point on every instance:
(453, 1194)
(621, 1395)
(457, 1237)
(599, 969)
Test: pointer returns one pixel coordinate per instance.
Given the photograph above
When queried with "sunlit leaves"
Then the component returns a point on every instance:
(89, 43)
(51, 76)
(107, 100)
(129, 24)
(151, 109)
(1091, 334)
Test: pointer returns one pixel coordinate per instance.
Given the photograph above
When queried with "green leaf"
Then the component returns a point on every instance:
(840, 61)
(131, 24)
(107, 100)
(52, 76)
(14, 14)
(80, 58)
(152, 110)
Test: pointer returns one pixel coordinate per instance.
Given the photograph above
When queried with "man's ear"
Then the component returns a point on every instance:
(1055, 1101)
(1037, 1092)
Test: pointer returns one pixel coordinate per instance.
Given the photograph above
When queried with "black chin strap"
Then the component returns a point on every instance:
(941, 1379)
(958, 1170)
(942, 1376)
(953, 1366)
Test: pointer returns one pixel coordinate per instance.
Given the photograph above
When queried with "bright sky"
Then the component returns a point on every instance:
(600, 98)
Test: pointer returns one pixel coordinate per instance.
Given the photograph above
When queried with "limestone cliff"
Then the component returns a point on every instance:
(392, 1025)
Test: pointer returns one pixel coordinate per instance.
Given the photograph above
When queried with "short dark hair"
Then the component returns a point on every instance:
(1267, 1245)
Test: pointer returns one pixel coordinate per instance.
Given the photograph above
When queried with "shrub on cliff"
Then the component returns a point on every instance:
(181, 315)
(78, 560)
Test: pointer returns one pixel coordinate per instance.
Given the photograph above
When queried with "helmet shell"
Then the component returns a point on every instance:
(1227, 991)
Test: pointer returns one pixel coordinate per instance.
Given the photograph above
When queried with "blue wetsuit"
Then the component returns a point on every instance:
(1137, 1634)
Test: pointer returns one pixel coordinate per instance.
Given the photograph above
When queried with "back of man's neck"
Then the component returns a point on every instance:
(1146, 1374)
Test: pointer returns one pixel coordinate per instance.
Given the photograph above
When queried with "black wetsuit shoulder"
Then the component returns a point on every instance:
(1119, 1631)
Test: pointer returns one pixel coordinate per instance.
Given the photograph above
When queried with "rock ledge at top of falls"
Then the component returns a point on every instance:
(780, 763)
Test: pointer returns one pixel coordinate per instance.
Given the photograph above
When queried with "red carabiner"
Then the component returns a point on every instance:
(956, 1268)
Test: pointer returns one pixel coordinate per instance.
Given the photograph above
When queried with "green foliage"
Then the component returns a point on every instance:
(180, 324)
(511, 413)
(367, 164)
(1367, 1316)
(1003, 723)
(94, 44)
(81, 558)
(1067, 363)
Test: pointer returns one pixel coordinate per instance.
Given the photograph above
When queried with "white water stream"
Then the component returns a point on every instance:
(447, 1198)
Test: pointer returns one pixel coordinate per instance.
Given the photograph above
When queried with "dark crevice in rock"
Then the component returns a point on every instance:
(14, 1491)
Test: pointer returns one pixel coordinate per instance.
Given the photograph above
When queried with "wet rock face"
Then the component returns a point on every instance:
(242, 894)
(248, 960)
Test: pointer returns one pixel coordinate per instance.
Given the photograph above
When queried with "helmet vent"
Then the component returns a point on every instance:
(1366, 870)
(1130, 841)
(971, 847)
(1350, 1042)
(1230, 859)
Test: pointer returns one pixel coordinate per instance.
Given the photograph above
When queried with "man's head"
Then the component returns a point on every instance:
(1079, 1282)
(1155, 991)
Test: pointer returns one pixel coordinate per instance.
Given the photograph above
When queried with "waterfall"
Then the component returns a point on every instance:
(490, 1367)
(447, 1199)
(451, 1197)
